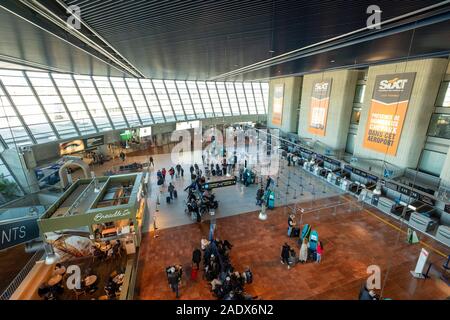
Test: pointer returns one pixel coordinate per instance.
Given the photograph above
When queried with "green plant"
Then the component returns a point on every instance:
(7, 188)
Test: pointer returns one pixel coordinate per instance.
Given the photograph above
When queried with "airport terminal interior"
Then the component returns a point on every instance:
(224, 150)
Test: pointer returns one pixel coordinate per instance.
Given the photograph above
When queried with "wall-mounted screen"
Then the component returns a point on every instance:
(93, 142)
(145, 132)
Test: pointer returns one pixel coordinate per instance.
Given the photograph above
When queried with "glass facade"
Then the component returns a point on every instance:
(440, 126)
(38, 107)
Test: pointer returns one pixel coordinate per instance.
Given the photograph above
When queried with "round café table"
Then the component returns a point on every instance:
(90, 280)
(53, 281)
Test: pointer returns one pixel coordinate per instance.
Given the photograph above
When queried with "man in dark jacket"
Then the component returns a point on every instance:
(197, 257)
(173, 278)
(285, 254)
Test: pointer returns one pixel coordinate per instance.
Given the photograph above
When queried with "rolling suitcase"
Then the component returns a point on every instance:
(175, 194)
(168, 199)
(194, 273)
(193, 216)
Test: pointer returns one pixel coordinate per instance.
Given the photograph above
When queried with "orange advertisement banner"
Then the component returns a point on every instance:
(384, 127)
(277, 106)
(318, 112)
(318, 116)
(387, 112)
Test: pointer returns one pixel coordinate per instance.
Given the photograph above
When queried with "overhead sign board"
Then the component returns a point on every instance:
(17, 232)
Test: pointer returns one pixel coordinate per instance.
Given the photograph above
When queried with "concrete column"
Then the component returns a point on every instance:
(343, 86)
(428, 77)
(292, 87)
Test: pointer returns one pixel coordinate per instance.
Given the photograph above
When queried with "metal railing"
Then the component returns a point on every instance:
(6, 295)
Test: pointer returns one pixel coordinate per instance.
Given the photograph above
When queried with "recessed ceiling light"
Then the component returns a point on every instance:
(332, 61)
(271, 51)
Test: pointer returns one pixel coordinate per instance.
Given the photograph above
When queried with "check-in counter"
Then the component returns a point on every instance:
(421, 222)
(385, 204)
(443, 234)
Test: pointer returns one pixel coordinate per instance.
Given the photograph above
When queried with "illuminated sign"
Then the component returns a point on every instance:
(70, 147)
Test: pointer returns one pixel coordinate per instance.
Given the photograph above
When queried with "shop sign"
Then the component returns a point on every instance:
(101, 217)
(387, 112)
(372, 177)
(318, 113)
(14, 233)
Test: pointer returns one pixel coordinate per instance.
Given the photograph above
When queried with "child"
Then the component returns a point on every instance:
(319, 252)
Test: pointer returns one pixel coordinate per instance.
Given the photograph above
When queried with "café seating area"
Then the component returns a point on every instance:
(99, 280)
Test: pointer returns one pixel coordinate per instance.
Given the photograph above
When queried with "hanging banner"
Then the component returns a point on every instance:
(320, 100)
(388, 111)
(277, 107)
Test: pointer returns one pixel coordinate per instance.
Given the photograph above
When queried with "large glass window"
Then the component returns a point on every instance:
(443, 99)
(250, 98)
(175, 100)
(203, 90)
(185, 100)
(196, 99)
(52, 103)
(139, 101)
(152, 100)
(265, 93)
(222, 91)
(164, 100)
(432, 162)
(41, 107)
(28, 106)
(74, 103)
(259, 98)
(440, 126)
(93, 102)
(240, 93)
(215, 100)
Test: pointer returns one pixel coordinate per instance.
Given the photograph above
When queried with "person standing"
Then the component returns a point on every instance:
(171, 190)
(182, 172)
(269, 181)
(151, 162)
(259, 196)
(173, 278)
(291, 224)
(178, 167)
(163, 172)
(285, 250)
(196, 257)
(171, 172)
(303, 255)
(319, 252)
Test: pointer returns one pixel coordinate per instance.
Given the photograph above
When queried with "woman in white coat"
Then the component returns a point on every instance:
(303, 255)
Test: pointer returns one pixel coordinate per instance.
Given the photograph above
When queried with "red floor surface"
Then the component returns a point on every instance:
(352, 241)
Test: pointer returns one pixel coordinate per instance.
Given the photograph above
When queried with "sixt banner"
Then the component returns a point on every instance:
(17, 232)
(388, 111)
(320, 100)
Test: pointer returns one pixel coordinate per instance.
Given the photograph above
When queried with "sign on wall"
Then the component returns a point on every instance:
(388, 111)
(278, 100)
(70, 147)
(93, 142)
(320, 100)
(14, 233)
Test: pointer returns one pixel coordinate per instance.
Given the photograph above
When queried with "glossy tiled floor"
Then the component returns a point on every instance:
(353, 239)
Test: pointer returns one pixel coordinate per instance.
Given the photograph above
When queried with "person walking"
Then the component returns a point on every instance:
(285, 254)
(178, 167)
(319, 252)
(196, 257)
(171, 172)
(163, 172)
(171, 190)
(151, 162)
(303, 255)
(173, 278)
(182, 172)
